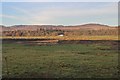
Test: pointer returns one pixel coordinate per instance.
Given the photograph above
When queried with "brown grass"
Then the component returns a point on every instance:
(64, 37)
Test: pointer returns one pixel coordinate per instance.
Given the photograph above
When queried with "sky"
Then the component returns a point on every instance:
(58, 13)
(60, 0)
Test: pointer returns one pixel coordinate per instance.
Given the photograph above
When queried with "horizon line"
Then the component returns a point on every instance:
(60, 24)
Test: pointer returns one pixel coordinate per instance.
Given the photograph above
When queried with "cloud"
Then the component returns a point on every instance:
(53, 15)
(8, 16)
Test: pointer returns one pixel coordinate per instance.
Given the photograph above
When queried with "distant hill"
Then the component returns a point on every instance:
(96, 26)
(53, 30)
(59, 27)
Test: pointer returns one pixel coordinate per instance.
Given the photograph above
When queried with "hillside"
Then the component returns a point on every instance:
(58, 27)
(55, 30)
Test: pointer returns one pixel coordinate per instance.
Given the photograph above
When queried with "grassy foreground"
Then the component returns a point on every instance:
(59, 61)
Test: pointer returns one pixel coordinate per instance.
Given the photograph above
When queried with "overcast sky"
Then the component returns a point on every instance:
(60, 0)
(59, 13)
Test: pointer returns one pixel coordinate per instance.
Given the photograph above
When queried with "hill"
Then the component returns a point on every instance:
(58, 27)
(55, 30)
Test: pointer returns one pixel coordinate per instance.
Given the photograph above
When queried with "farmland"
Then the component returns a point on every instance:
(105, 37)
(38, 51)
(68, 39)
(83, 59)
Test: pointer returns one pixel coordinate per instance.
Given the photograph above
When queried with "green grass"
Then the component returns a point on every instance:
(59, 61)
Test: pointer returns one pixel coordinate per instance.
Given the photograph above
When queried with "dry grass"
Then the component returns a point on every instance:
(65, 37)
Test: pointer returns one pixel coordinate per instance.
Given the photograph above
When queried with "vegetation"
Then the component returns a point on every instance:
(102, 34)
(60, 61)
(44, 32)
(105, 37)
(49, 58)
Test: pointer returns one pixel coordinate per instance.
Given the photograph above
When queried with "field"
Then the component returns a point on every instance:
(105, 37)
(88, 59)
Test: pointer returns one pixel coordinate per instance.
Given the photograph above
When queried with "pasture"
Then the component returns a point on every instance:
(105, 37)
(86, 60)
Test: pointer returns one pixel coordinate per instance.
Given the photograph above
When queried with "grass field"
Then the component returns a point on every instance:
(60, 61)
(105, 37)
